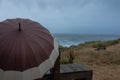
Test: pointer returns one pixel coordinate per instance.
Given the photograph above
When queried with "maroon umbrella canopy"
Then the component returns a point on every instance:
(25, 44)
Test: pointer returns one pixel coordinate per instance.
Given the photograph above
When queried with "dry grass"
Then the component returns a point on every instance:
(106, 72)
(105, 63)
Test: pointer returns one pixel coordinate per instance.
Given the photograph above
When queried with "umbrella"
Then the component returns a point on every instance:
(27, 50)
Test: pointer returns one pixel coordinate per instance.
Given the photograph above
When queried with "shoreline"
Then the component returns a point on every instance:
(81, 43)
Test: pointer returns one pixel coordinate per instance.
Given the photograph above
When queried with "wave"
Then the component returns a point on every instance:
(67, 40)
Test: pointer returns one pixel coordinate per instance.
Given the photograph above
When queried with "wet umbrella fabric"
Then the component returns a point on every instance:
(27, 50)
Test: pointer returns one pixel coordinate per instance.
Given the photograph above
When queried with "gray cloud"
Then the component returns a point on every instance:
(66, 16)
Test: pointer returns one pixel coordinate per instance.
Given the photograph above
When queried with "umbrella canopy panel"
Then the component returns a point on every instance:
(24, 44)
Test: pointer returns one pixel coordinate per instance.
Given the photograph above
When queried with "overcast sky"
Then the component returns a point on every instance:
(67, 16)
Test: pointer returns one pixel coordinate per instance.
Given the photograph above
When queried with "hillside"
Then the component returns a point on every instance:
(102, 56)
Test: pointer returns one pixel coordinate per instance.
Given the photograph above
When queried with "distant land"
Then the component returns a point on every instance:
(74, 39)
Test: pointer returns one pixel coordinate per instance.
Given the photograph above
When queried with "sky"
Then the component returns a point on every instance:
(67, 16)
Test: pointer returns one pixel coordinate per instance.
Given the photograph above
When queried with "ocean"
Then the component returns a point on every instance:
(67, 40)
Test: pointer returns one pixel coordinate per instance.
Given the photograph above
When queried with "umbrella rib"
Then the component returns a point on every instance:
(34, 34)
(37, 25)
(43, 38)
(27, 42)
(7, 54)
(36, 41)
(10, 22)
(40, 30)
(12, 50)
(40, 46)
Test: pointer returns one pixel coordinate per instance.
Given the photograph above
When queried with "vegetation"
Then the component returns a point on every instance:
(90, 50)
(94, 55)
(68, 59)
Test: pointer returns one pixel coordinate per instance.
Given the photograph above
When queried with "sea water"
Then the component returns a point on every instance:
(67, 40)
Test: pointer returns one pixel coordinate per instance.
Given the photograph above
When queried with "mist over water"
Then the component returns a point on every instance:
(75, 39)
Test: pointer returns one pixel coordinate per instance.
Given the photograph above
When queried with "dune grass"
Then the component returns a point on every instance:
(88, 55)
